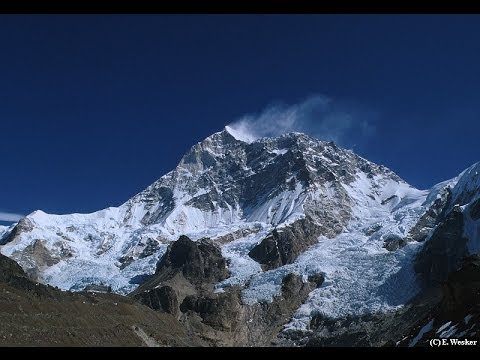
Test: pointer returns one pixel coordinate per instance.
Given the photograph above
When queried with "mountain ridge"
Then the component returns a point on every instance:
(275, 206)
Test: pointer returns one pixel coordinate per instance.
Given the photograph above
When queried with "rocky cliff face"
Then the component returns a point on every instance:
(444, 251)
(183, 285)
(456, 234)
(456, 315)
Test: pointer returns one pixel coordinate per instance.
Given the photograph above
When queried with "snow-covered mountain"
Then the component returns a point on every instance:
(466, 194)
(355, 222)
(3, 230)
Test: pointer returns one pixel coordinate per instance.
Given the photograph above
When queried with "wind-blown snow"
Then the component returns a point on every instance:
(240, 133)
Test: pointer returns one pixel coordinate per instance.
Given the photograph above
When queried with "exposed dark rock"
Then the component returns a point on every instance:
(160, 299)
(459, 306)
(37, 256)
(187, 268)
(267, 253)
(430, 218)
(223, 239)
(151, 248)
(291, 284)
(220, 311)
(200, 262)
(370, 330)
(282, 246)
(9, 269)
(23, 226)
(317, 279)
(387, 200)
(241, 325)
(462, 289)
(71, 228)
(475, 210)
(394, 242)
(205, 202)
(357, 336)
(265, 320)
(372, 229)
(163, 195)
(125, 261)
(14, 276)
(444, 251)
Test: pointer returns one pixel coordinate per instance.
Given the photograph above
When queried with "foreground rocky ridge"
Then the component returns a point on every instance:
(32, 314)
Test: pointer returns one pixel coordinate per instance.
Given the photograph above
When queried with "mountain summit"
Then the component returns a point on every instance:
(275, 206)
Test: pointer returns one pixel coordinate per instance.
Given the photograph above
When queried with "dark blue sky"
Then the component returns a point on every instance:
(95, 108)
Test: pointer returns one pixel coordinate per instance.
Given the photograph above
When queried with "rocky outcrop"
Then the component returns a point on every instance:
(187, 268)
(226, 320)
(389, 199)
(282, 246)
(430, 218)
(394, 242)
(36, 257)
(151, 248)
(317, 279)
(475, 210)
(265, 320)
(372, 229)
(461, 292)
(234, 235)
(160, 299)
(456, 315)
(444, 251)
(9, 269)
(372, 330)
(23, 226)
(380, 329)
(220, 311)
(183, 285)
(199, 262)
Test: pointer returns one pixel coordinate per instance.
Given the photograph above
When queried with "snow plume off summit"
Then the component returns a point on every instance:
(318, 116)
